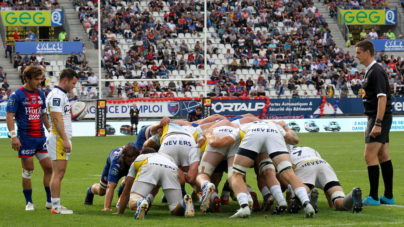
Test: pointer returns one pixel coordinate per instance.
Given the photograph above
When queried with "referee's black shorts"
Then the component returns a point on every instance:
(384, 135)
(134, 120)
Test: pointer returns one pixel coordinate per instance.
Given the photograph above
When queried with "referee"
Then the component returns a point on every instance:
(377, 104)
(134, 118)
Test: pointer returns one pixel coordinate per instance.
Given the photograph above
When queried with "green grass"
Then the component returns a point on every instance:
(344, 151)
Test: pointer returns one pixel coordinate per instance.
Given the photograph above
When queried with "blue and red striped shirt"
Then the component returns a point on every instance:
(28, 107)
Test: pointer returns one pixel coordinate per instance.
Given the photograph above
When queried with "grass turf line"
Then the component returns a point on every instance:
(344, 151)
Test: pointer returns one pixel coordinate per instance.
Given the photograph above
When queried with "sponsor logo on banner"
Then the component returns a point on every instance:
(220, 107)
(369, 17)
(388, 45)
(32, 18)
(48, 47)
(173, 107)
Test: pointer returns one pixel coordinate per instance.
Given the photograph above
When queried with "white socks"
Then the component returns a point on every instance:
(277, 193)
(55, 203)
(242, 198)
(301, 193)
(150, 197)
(265, 191)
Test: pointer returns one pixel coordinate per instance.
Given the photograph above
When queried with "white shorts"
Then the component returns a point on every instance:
(228, 151)
(157, 174)
(141, 190)
(316, 172)
(54, 144)
(178, 147)
(260, 142)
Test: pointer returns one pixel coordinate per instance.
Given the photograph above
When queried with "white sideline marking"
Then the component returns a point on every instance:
(349, 224)
(391, 205)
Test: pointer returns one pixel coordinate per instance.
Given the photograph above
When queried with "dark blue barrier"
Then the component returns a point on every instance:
(284, 106)
(388, 45)
(48, 47)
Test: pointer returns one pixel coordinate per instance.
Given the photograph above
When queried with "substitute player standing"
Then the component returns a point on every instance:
(27, 105)
(134, 118)
(58, 142)
(377, 104)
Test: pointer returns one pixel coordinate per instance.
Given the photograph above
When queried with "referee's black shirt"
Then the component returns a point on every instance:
(376, 84)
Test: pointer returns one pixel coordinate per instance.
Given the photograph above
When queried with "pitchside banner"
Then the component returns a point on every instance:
(239, 107)
(122, 128)
(49, 47)
(388, 45)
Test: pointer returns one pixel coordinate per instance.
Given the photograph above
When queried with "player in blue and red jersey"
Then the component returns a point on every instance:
(116, 167)
(27, 106)
(195, 114)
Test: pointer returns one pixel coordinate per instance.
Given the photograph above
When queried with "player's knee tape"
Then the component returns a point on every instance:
(283, 166)
(239, 169)
(103, 185)
(266, 164)
(337, 195)
(229, 172)
(27, 173)
(206, 167)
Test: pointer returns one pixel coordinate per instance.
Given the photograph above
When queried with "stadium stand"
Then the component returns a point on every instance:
(296, 41)
(155, 40)
(53, 64)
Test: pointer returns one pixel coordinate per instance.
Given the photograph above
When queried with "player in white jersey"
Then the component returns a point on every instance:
(174, 141)
(149, 170)
(316, 172)
(256, 138)
(263, 167)
(58, 141)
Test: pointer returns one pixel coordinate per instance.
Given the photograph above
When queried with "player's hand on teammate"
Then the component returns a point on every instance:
(66, 146)
(201, 140)
(375, 131)
(15, 143)
(107, 209)
(165, 121)
(281, 123)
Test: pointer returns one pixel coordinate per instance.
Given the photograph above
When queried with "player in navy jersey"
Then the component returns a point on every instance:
(195, 114)
(27, 105)
(116, 167)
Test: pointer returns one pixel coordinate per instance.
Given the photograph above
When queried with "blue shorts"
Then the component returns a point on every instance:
(141, 137)
(222, 167)
(31, 145)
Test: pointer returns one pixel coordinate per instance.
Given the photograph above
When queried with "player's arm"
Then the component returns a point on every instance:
(109, 195)
(15, 142)
(113, 179)
(125, 195)
(381, 91)
(290, 135)
(56, 116)
(151, 142)
(12, 107)
(46, 121)
(156, 126)
(60, 129)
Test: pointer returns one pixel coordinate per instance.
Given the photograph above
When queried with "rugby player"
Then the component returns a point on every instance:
(256, 138)
(27, 105)
(195, 114)
(314, 171)
(58, 141)
(153, 169)
(116, 167)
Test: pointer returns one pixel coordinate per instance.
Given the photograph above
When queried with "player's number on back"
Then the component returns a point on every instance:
(298, 153)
